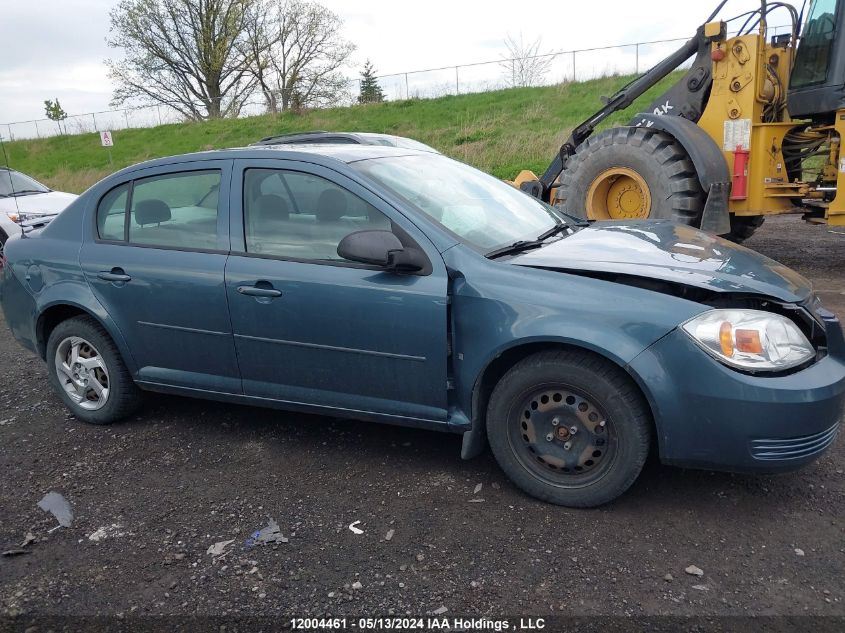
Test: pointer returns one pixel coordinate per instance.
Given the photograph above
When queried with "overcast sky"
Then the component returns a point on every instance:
(56, 48)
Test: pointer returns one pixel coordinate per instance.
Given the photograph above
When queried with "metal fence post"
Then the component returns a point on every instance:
(11, 136)
(37, 133)
(407, 91)
(93, 118)
(573, 65)
(638, 59)
(457, 84)
(158, 109)
(126, 116)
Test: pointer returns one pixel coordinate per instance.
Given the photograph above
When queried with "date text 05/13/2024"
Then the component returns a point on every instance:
(419, 623)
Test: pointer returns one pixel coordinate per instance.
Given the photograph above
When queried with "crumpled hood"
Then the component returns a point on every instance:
(660, 249)
(37, 203)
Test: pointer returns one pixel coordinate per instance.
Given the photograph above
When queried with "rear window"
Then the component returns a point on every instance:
(111, 214)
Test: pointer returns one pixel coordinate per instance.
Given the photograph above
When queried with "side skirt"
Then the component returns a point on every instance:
(301, 407)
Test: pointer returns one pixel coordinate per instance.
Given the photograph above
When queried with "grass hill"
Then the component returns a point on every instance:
(500, 132)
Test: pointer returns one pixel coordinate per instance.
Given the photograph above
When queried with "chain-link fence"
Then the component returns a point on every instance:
(575, 65)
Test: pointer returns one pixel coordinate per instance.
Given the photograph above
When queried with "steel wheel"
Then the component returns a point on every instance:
(618, 194)
(632, 173)
(562, 437)
(82, 373)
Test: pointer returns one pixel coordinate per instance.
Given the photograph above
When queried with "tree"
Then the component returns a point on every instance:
(525, 65)
(371, 91)
(295, 54)
(55, 112)
(187, 54)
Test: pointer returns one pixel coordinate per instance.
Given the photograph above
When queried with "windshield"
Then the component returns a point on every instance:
(12, 182)
(483, 211)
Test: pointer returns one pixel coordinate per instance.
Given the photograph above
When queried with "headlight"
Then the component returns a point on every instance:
(750, 339)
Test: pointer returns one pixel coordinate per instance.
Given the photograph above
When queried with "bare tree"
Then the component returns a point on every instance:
(295, 54)
(187, 54)
(525, 64)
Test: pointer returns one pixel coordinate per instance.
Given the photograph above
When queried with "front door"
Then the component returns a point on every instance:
(315, 329)
(157, 265)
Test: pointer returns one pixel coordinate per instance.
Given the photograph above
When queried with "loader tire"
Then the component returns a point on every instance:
(631, 173)
(743, 227)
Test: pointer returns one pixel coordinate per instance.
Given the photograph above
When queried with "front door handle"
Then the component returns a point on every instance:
(253, 291)
(114, 276)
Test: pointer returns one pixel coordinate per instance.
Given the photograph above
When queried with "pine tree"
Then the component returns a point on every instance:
(371, 91)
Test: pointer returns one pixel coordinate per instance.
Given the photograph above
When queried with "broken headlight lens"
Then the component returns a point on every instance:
(750, 339)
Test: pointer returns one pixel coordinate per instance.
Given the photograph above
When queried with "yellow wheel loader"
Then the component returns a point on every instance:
(753, 128)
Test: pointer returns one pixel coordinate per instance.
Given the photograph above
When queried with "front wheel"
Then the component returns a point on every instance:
(631, 173)
(569, 427)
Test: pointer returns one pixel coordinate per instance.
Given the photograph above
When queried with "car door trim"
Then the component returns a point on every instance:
(333, 348)
(182, 328)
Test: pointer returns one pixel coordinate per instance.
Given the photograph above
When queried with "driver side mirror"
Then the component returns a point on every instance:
(381, 248)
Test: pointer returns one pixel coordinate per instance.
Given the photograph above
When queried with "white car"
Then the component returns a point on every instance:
(25, 199)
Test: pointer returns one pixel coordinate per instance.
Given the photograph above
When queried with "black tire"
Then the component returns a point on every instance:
(744, 226)
(123, 397)
(582, 384)
(657, 157)
(3, 238)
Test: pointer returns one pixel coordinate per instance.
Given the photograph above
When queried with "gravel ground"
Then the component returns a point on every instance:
(184, 475)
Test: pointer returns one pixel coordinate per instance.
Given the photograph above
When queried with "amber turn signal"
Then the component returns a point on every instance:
(726, 339)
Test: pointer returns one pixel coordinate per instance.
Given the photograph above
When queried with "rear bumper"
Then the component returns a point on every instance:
(710, 416)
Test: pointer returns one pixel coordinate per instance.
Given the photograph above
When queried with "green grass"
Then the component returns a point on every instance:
(501, 132)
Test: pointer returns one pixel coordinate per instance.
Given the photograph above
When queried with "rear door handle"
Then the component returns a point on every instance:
(115, 275)
(252, 291)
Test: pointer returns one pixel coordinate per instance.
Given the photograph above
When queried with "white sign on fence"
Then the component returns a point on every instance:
(106, 139)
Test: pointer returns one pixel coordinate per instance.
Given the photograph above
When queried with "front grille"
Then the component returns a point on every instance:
(793, 448)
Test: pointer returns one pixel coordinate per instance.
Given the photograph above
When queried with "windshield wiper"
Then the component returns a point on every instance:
(524, 245)
(516, 247)
(25, 191)
(555, 230)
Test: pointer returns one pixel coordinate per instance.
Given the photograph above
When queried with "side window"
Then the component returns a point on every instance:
(111, 214)
(302, 216)
(176, 210)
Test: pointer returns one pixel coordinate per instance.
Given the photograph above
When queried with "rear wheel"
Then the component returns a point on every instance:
(86, 370)
(569, 427)
(632, 173)
(3, 238)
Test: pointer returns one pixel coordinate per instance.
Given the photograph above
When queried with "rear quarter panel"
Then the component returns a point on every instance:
(43, 271)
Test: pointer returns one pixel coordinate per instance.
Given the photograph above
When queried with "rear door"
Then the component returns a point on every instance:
(315, 329)
(157, 265)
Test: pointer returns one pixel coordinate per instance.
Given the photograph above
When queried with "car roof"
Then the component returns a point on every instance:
(324, 154)
(293, 137)
(363, 138)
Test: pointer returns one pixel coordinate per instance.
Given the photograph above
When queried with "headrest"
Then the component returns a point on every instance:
(331, 205)
(270, 208)
(151, 212)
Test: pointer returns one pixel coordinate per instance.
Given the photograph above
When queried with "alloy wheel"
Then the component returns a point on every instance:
(82, 373)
